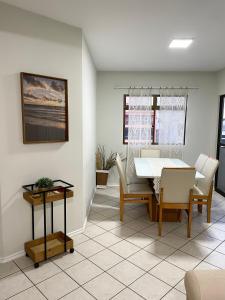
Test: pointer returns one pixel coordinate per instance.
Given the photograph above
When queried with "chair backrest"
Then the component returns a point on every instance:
(200, 162)
(176, 184)
(121, 172)
(208, 170)
(154, 153)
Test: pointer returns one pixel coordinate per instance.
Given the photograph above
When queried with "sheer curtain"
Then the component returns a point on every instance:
(139, 131)
(171, 122)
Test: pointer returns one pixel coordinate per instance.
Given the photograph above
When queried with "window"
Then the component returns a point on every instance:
(173, 114)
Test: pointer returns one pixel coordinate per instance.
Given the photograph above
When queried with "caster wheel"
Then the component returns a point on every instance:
(36, 265)
(71, 250)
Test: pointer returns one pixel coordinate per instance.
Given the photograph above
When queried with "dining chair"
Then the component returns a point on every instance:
(132, 193)
(203, 189)
(176, 189)
(200, 162)
(148, 153)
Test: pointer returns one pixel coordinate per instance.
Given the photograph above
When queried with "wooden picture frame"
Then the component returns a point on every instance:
(44, 108)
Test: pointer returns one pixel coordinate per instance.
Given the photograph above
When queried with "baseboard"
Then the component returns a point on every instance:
(70, 234)
(12, 256)
(113, 185)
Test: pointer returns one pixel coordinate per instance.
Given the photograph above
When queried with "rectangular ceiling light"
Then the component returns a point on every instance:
(181, 43)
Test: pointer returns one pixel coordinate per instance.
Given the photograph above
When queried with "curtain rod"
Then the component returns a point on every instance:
(155, 88)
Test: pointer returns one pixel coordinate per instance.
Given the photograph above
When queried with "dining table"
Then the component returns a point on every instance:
(151, 168)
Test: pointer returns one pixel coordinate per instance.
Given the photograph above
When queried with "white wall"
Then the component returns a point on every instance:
(201, 115)
(221, 82)
(89, 124)
(35, 44)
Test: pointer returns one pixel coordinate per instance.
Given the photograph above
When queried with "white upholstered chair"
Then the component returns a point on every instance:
(155, 153)
(176, 188)
(205, 284)
(204, 187)
(200, 162)
(132, 193)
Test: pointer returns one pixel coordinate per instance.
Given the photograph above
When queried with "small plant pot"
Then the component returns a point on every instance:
(102, 178)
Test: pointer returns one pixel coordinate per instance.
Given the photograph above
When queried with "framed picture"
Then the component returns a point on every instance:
(44, 109)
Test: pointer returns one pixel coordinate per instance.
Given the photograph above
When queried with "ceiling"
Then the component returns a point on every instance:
(134, 34)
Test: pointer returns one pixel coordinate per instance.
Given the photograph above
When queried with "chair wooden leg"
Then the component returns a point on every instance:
(150, 207)
(189, 227)
(160, 220)
(121, 207)
(200, 208)
(209, 203)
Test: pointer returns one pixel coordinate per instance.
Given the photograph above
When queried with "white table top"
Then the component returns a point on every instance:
(152, 167)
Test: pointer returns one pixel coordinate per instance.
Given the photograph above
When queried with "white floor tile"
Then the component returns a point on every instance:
(84, 271)
(138, 225)
(181, 287)
(45, 270)
(183, 260)
(30, 294)
(152, 231)
(13, 284)
(78, 294)
(8, 269)
(150, 287)
(124, 249)
(107, 239)
(207, 241)
(89, 248)
(106, 259)
(196, 250)
(174, 240)
(219, 225)
(79, 238)
(23, 262)
(141, 240)
(67, 260)
(104, 287)
(182, 231)
(205, 266)
(144, 260)
(217, 259)
(95, 218)
(221, 248)
(123, 231)
(125, 272)
(168, 273)
(93, 230)
(174, 295)
(109, 211)
(160, 249)
(109, 223)
(215, 233)
(127, 294)
(57, 286)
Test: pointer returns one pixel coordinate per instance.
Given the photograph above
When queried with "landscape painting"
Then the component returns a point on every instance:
(44, 108)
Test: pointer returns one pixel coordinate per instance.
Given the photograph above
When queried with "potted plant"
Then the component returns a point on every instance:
(44, 183)
(103, 165)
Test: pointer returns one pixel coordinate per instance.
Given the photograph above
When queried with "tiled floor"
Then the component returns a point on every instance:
(122, 261)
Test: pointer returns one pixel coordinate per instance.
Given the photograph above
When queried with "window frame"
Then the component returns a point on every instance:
(155, 107)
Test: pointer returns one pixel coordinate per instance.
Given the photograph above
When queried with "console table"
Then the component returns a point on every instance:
(55, 243)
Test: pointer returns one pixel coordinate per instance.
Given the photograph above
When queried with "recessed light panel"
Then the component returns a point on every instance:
(180, 43)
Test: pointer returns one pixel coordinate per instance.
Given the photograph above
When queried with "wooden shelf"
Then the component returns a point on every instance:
(36, 199)
(35, 249)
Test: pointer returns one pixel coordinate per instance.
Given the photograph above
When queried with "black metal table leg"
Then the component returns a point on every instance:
(65, 219)
(32, 222)
(52, 216)
(45, 239)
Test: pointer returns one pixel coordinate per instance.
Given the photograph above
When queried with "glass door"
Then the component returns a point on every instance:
(220, 175)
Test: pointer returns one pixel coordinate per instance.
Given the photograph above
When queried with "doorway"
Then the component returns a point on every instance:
(220, 174)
